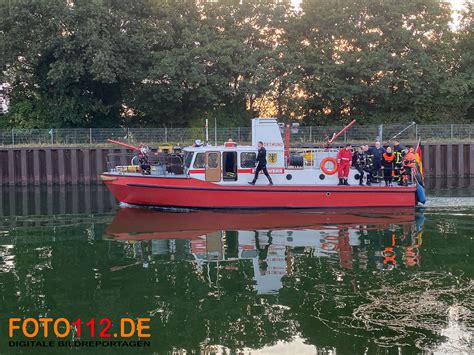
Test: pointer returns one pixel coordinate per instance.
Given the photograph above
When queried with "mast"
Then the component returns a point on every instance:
(287, 143)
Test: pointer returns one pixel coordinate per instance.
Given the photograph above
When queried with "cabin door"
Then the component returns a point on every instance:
(213, 166)
(229, 166)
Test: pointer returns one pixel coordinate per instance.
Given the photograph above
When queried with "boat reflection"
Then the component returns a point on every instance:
(272, 240)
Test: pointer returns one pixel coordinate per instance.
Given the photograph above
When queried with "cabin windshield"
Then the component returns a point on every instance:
(188, 157)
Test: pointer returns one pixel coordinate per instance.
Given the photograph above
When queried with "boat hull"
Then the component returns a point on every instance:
(193, 193)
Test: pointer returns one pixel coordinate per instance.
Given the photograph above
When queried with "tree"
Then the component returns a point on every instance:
(458, 91)
(69, 62)
(108, 63)
(373, 58)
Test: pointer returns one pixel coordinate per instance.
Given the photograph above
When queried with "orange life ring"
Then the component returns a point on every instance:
(323, 165)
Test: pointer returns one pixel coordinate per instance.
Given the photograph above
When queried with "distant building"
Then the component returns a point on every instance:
(4, 101)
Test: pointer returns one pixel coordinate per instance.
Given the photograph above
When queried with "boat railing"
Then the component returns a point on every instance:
(160, 163)
(122, 159)
(311, 158)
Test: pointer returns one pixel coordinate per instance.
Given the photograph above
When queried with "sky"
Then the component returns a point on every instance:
(457, 6)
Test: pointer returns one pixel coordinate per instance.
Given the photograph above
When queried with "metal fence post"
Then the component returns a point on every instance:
(345, 136)
(90, 135)
(238, 130)
(215, 131)
(310, 133)
(452, 131)
(416, 132)
(13, 136)
(166, 135)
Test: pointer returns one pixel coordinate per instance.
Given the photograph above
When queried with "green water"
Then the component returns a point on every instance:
(350, 282)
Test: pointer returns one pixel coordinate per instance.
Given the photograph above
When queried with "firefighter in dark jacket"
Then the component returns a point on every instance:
(143, 161)
(399, 152)
(359, 161)
(376, 154)
(368, 165)
(388, 165)
(261, 164)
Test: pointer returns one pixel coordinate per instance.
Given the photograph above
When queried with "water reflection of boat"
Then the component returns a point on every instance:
(141, 224)
(272, 240)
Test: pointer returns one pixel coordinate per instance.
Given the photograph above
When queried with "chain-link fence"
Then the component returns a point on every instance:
(243, 135)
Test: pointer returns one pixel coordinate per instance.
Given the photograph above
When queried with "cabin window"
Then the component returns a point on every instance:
(188, 158)
(229, 162)
(249, 254)
(213, 160)
(200, 161)
(247, 159)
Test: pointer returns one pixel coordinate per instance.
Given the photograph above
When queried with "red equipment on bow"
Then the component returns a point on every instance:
(129, 146)
(334, 137)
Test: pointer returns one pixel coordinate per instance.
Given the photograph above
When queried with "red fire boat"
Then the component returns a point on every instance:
(217, 177)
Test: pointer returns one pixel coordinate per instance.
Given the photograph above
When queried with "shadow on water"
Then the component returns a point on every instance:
(350, 281)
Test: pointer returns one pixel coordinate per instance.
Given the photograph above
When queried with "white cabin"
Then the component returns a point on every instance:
(233, 164)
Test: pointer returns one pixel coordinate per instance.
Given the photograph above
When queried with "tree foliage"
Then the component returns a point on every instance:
(105, 63)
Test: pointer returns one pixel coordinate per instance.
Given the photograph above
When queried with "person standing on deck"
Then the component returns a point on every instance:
(399, 152)
(376, 153)
(359, 161)
(261, 162)
(409, 164)
(344, 159)
(368, 164)
(388, 164)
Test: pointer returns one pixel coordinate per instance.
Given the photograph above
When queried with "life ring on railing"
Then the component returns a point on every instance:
(323, 165)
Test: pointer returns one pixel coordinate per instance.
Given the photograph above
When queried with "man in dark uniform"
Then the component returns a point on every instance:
(359, 161)
(369, 165)
(143, 161)
(261, 164)
(399, 152)
(376, 153)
